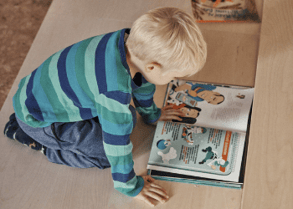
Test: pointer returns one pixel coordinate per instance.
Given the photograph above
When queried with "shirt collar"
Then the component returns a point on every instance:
(122, 50)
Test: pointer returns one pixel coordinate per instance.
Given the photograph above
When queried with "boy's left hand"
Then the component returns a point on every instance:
(169, 114)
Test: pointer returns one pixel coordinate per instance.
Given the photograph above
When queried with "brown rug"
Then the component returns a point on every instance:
(20, 21)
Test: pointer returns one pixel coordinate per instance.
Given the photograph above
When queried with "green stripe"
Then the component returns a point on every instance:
(117, 118)
(17, 97)
(50, 92)
(124, 84)
(80, 68)
(90, 59)
(123, 79)
(146, 111)
(112, 105)
(120, 160)
(146, 88)
(147, 85)
(67, 104)
(23, 97)
(132, 187)
(118, 150)
(123, 117)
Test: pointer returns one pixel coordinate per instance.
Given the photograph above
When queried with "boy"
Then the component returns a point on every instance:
(75, 107)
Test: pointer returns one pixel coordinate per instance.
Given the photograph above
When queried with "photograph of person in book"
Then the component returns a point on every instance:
(201, 92)
(191, 113)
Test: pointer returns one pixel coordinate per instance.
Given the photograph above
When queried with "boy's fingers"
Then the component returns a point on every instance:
(155, 196)
(156, 186)
(168, 107)
(152, 191)
(162, 194)
(147, 200)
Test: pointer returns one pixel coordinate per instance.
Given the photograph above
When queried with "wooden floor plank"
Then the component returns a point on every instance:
(268, 181)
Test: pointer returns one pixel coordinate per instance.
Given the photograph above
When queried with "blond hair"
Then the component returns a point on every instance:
(170, 37)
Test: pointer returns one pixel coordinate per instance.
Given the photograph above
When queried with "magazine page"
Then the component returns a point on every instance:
(197, 151)
(213, 106)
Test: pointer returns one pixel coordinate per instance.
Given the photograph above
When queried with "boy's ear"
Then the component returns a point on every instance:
(152, 66)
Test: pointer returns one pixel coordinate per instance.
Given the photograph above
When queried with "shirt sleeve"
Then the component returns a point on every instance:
(144, 103)
(117, 124)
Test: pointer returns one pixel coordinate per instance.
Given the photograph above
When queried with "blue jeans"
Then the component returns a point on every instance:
(76, 144)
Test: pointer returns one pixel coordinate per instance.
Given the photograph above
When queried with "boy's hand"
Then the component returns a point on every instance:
(151, 192)
(169, 114)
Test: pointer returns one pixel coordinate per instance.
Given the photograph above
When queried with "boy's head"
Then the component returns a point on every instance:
(166, 40)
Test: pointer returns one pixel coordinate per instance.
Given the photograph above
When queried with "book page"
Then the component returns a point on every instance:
(197, 151)
(213, 106)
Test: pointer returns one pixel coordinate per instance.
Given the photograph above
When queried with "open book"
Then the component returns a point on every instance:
(207, 146)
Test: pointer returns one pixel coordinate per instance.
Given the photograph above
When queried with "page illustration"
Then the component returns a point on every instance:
(193, 148)
(213, 106)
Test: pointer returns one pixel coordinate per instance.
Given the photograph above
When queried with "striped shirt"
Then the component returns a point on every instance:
(85, 80)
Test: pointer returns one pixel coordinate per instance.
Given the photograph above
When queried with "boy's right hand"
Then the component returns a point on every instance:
(169, 114)
(151, 192)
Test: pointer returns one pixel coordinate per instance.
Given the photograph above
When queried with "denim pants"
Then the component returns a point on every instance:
(76, 144)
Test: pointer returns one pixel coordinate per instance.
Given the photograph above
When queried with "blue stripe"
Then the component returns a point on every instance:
(145, 103)
(41, 96)
(116, 129)
(123, 177)
(100, 63)
(116, 140)
(153, 121)
(84, 100)
(121, 47)
(121, 97)
(31, 102)
(110, 63)
(64, 83)
(123, 169)
(143, 96)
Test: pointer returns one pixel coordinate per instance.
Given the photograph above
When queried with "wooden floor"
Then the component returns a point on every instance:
(251, 54)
